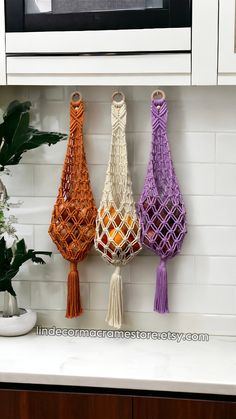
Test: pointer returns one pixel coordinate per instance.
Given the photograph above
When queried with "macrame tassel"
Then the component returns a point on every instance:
(74, 308)
(115, 305)
(161, 294)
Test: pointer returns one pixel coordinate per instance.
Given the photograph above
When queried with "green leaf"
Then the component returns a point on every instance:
(20, 136)
(20, 247)
(15, 107)
(33, 139)
(17, 136)
(11, 118)
(6, 285)
(10, 264)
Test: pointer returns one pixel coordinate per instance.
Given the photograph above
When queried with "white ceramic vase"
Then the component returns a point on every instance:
(18, 325)
(15, 321)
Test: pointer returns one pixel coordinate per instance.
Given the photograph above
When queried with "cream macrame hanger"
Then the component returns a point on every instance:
(117, 227)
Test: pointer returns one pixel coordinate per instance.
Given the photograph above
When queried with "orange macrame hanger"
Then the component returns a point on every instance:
(73, 220)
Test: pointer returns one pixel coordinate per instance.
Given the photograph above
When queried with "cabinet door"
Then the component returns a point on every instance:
(227, 42)
(150, 69)
(159, 408)
(52, 405)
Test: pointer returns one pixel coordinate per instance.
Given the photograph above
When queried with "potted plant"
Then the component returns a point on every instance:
(14, 320)
(16, 138)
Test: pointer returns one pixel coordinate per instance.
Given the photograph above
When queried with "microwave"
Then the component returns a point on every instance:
(95, 15)
(98, 42)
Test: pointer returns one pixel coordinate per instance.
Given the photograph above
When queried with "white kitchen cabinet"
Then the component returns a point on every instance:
(36, 58)
(104, 41)
(2, 45)
(150, 69)
(227, 42)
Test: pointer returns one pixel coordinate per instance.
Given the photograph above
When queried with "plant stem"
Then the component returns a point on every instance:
(10, 307)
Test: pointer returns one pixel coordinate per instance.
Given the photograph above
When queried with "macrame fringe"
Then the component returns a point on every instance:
(161, 294)
(115, 304)
(74, 308)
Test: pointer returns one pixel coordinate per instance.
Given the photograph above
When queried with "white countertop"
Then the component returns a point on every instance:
(200, 367)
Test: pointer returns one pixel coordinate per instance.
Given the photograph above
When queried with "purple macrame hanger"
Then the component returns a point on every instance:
(161, 207)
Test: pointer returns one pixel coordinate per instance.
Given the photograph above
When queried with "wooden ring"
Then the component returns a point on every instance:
(76, 97)
(158, 92)
(117, 93)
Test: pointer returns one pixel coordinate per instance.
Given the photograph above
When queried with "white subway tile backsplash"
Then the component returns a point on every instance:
(142, 147)
(8, 94)
(225, 147)
(191, 147)
(215, 270)
(202, 299)
(47, 180)
(97, 175)
(143, 269)
(52, 295)
(186, 147)
(97, 148)
(54, 116)
(225, 179)
(52, 93)
(196, 178)
(54, 154)
(180, 269)
(139, 116)
(32, 93)
(138, 173)
(56, 269)
(192, 116)
(212, 241)
(138, 297)
(99, 294)
(183, 299)
(42, 240)
(97, 118)
(48, 295)
(95, 269)
(20, 181)
(211, 210)
(33, 210)
(96, 318)
(26, 232)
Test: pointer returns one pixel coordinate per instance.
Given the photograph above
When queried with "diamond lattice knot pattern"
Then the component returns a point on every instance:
(117, 227)
(72, 225)
(161, 207)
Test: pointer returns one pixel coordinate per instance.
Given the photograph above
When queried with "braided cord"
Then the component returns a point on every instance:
(117, 227)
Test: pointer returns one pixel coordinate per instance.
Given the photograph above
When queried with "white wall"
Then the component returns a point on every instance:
(202, 281)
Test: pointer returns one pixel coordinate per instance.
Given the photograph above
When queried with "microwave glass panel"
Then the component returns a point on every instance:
(38, 6)
(80, 6)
